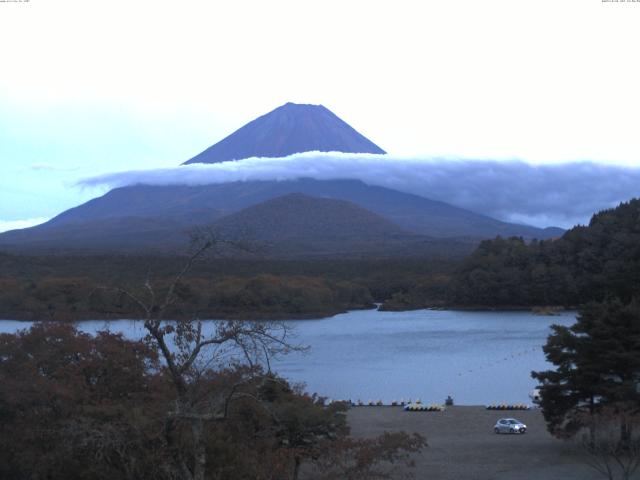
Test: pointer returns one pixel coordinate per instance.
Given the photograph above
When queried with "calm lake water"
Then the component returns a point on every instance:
(476, 357)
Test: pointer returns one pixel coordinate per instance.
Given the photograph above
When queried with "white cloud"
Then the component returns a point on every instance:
(544, 194)
(6, 225)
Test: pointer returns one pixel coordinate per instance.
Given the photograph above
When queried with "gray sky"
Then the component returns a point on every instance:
(91, 87)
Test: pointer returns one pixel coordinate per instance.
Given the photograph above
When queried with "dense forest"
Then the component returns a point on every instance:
(84, 287)
(587, 263)
(262, 296)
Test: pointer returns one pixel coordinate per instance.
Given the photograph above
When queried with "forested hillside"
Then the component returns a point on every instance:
(588, 263)
(76, 287)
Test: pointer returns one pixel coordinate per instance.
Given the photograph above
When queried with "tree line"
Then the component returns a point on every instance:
(260, 297)
(75, 287)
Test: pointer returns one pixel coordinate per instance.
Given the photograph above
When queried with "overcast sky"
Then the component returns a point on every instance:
(91, 87)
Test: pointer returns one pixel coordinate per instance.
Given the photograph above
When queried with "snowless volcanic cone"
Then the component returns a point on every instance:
(291, 128)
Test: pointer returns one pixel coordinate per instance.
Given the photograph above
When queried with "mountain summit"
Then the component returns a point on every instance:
(291, 128)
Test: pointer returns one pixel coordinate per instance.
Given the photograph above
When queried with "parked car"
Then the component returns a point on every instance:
(509, 425)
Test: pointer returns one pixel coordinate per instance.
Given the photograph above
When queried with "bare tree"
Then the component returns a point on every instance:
(613, 445)
(190, 354)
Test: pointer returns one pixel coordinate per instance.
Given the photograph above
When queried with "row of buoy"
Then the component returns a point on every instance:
(419, 407)
(504, 406)
(501, 360)
(409, 406)
(376, 403)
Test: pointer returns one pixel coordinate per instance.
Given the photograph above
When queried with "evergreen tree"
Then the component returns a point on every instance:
(597, 367)
(587, 263)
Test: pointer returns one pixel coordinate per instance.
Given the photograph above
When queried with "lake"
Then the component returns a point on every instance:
(476, 357)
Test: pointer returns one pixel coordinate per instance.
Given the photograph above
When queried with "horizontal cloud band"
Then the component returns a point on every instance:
(543, 195)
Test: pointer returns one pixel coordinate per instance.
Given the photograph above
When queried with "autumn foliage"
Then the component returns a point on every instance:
(77, 406)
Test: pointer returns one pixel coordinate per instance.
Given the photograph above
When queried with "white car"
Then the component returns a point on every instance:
(509, 425)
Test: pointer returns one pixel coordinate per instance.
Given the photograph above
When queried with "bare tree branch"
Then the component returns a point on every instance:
(255, 342)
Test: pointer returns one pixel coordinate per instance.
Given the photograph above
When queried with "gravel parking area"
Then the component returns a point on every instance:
(462, 444)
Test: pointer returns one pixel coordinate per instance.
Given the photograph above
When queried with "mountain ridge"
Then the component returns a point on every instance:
(411, 212)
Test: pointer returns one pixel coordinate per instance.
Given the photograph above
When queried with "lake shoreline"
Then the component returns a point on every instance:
(485, 308)
(288, 316)
(248, 316)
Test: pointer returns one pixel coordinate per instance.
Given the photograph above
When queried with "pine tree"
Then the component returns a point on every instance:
(597, 367)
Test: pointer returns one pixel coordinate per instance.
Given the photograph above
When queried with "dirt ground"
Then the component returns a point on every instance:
(462, 444)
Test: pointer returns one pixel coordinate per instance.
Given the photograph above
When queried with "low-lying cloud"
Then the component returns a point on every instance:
(543, 195)
(6, 225)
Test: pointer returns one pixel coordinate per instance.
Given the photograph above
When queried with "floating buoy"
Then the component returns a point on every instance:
(419, 407)
(503, 406)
